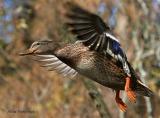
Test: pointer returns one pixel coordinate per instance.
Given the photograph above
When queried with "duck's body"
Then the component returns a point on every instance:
(92, 65)
(104, 70)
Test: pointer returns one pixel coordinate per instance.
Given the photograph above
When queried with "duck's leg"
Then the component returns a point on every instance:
(130, 93)
(119, 101)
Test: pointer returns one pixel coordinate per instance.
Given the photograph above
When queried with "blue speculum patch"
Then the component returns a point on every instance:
(116, 49)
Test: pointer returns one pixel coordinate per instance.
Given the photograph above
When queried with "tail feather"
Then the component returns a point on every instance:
(141, 89)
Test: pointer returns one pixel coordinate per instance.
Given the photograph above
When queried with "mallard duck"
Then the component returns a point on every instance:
(96, 54)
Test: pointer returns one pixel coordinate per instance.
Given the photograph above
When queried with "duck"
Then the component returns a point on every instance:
(96, 54)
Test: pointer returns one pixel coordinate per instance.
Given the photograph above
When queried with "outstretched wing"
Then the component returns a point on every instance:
(93, 32)
(51, 62)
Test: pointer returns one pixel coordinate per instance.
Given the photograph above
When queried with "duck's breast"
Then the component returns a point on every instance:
(95, 69)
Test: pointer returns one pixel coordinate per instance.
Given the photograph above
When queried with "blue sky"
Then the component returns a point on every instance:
(6, 26)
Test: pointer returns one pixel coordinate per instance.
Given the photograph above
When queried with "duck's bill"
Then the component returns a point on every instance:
(27, 52)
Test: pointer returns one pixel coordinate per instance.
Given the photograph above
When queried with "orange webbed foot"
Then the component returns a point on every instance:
(131, 96)
(130, 93)
(120, 103)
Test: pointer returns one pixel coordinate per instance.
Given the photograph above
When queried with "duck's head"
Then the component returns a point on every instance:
(41, 47)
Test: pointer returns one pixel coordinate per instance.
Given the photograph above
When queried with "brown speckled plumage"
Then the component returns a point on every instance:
(108, 72)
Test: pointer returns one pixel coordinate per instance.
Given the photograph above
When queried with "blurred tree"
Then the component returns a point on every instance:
(28, 87)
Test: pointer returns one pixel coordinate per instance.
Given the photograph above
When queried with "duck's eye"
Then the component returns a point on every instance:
(38, 43)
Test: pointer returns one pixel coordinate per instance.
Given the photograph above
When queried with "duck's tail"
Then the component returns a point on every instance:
(140, 88)
(143, 90)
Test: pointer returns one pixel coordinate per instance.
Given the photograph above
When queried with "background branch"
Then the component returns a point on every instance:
(96, 98)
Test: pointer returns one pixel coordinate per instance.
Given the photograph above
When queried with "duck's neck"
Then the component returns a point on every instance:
(52, 48)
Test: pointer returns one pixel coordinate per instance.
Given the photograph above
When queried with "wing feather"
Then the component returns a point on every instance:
(51, 63)
(93, 32)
